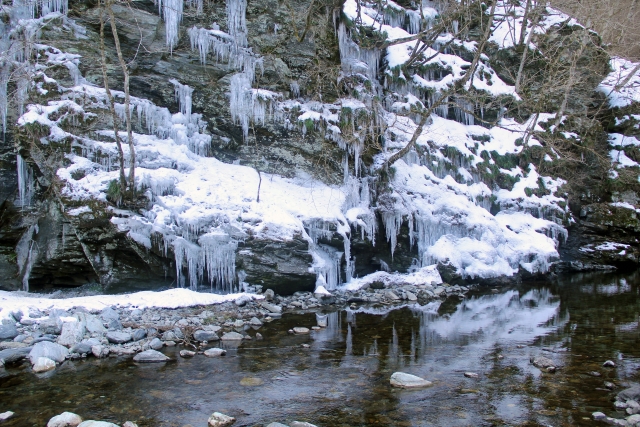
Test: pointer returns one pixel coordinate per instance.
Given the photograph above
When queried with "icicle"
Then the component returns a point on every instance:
(183, 94)
(171, 11)
(25, 182)
(295, 89)
(26, 253)
(356, 60)
(236, 21)
(240, 103)
(414, 22)
(48, 6)
(4, 80)
(197, 4)
(392, 222)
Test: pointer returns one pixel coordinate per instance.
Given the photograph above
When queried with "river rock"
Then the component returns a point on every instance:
(150, 356)
(242, 300)
(542, 362)
(269, 295)
(301, 424)
(632, 393)
(169, 336)
(391, 295)
(92, 323)
(92, 423)
(53, 351)
(72, 333)
(129, 424)
(81, 348)
(201, 335)
(118, 337)
(231, 336)
(255, 322)
(109, 313)
(599, 416)
(633, 421)
(155, 344)
(138, 334)
(215, 352)
(411, 296)
(12, 344)
(277, 425)
(13, 355)
(66, 419)
(8, 332)
(6, 415)
(609, 364)
(187, 353)
(100, 351)
(271, 307)
(300, 330)
(471, 375)
(404, 380)
(43, 364)
(633, 407)
(220, 420)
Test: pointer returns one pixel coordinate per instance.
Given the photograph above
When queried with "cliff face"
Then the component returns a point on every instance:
(262, 131)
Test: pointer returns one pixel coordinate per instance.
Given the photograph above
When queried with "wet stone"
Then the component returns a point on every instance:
(43, 364)
(300, 330)
(187, 353)
(215, 352)
(404, 380)
(150, 356)
(118, 337)
(218, 419)
(155, 344)
(66, 419)
(609, 364)
(6, 415)
(232, 336)
(542, 362)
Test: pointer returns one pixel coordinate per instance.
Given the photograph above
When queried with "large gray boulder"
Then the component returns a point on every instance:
(118, 337)
(13, 355)
(72, 333)
(53, 351)
(92, 323)
(201, 335)
(404, 380)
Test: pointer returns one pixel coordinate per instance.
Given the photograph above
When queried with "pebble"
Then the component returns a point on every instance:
(215, 352)
(220, 420)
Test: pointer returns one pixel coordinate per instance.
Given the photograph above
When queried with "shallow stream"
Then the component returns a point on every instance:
(342, 379)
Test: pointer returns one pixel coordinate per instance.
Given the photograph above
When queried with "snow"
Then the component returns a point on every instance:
(620, 159)
(426, 275)
(619, 140)
(172, 298)
(625, 96)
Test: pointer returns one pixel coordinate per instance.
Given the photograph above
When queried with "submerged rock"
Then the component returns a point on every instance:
(542, 362)
(150, 356)
(404, 380)
(232, 336)
(66, 419)
(220, 420)
(300, 330)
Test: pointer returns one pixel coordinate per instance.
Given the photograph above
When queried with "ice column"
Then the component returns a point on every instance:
(25, 182)
(236, 20)
(184, 96)
(171, 11)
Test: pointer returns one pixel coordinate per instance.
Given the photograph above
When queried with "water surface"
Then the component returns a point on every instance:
(342, 379)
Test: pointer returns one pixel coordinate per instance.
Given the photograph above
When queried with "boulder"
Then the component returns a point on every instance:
(632, 393)
(81, 348)
(404, 380)
(13, 355)
(150, 356)
(269, 295)
(187, 353)
(231, 336)
(201, 335)
(53, 351)
(72, 333)
(255, 322)
(43, 364)
(66, 419)
(100, 351)
(92, 323)
(271, 307)
(118, 337)
(138, 334)
(155, 344)
(215, 352)
(108, 314)
(8, 332)
(220, 420)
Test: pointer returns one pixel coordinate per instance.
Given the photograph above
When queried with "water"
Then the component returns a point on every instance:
(343, 378)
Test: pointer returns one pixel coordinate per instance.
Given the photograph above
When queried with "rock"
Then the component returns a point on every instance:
(118, 337)
(301, 424)
(13, 355)
(300, 330)
(633, 421)
(238, 323)
(187, 353)
(609, 385)
(138, 334)
(598, 416)
(255, 322)
(269, 295)
(72, 333)
(6, 415)
(595, 374)
(43, 364)
(66, 419)
(633, 407)
(259, 336)
(92, 323)
(8, 332)
(632, 393)
(108, 314)
(404, 380)
(271, 307)
(241, 301)
(53, 351)
(82, 348)
(277, 425)
(92, 423)
(155, 344)
(231, 336)
(542, 362)
(251, 382)
(12, 344)
(114, 324)
(471, 375)
(609, 364)
(100, 351)
(391, 295)
(411, 296)
(220, 420)
(129, 424)
(150, 356)
(169, 336)
(215, 352)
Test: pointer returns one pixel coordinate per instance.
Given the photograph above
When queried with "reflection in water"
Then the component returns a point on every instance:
(343, 378)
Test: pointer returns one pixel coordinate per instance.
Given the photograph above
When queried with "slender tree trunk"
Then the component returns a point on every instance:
(127, 101)
(111, 102)
(628, 78)
(525, 51)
